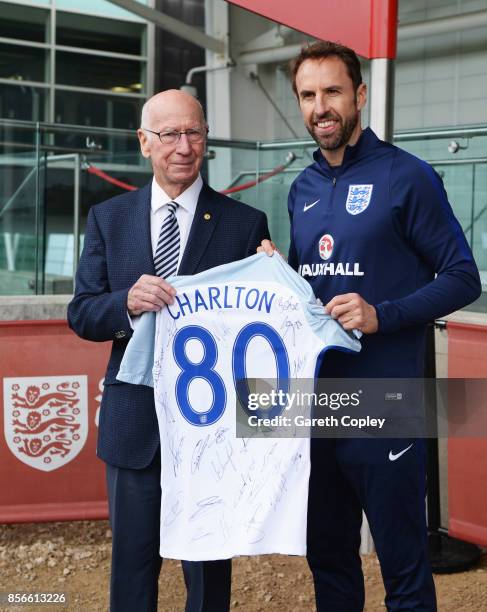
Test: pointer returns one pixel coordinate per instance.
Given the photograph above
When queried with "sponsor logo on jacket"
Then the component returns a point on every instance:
(331, 269)
(325, 246)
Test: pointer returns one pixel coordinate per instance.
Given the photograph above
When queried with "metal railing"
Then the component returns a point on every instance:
(54, 156)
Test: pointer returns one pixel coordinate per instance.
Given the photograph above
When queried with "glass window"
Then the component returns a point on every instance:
(98, 72)
(22, 63)
(22, 102)
(90, 109)
(91, 33)
(99, 7)
(59, 255)
(17, 226)
(480, 220)
(23, 23)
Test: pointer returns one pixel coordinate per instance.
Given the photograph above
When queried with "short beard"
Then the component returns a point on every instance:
(341, 138)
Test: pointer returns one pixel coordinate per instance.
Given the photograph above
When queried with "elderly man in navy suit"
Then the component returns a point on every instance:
(132, 242)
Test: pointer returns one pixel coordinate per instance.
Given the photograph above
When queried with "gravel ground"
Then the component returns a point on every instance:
(75, 557)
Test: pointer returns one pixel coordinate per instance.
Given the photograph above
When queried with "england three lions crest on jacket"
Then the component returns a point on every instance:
(358, 198)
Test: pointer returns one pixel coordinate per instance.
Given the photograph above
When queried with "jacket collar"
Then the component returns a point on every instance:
(206, 217)
(367, 141)
(141, 234)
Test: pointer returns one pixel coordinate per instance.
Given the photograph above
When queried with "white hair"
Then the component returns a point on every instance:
(144, 113)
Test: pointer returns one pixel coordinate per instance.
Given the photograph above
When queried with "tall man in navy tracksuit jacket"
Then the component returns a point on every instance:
(370, 227)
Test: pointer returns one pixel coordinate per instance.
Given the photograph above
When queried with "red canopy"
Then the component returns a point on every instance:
(369, 27)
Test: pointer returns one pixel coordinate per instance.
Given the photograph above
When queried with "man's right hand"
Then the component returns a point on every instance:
(269, 248)
(150, 293)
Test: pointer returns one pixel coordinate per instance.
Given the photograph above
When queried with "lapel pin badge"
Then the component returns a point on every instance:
(207, 216)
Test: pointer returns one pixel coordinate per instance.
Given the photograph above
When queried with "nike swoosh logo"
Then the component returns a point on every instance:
(393, 457)
(308, 206)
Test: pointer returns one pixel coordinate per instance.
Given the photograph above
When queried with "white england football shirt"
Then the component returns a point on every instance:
(224, 496)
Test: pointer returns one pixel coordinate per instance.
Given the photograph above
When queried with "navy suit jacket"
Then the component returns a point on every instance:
(117, 251)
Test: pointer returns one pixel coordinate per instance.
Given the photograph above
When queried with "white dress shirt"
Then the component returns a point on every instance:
(184, 213)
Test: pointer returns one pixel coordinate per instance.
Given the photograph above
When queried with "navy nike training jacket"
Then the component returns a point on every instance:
(381, 225)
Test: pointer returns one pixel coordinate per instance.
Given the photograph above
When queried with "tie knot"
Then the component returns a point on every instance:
(172, 207)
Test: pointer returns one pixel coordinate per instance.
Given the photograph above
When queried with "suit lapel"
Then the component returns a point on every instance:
(141, 235)
(206, 217)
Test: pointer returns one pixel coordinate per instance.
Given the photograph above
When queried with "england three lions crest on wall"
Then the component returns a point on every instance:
(45, 419)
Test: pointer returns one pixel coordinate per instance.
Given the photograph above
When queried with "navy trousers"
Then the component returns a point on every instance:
(134, 499)
(346, 477)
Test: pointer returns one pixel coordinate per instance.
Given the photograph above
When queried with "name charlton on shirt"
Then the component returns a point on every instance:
(212, 298)
(330, 269)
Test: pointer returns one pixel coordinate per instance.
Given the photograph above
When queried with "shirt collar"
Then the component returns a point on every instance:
(187, 200)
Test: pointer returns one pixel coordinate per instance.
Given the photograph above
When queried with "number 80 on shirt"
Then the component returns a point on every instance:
(205, 369)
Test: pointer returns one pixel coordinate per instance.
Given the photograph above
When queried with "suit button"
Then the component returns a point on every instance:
(120, 334)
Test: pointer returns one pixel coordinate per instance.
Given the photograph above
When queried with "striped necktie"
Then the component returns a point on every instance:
(167, 250)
